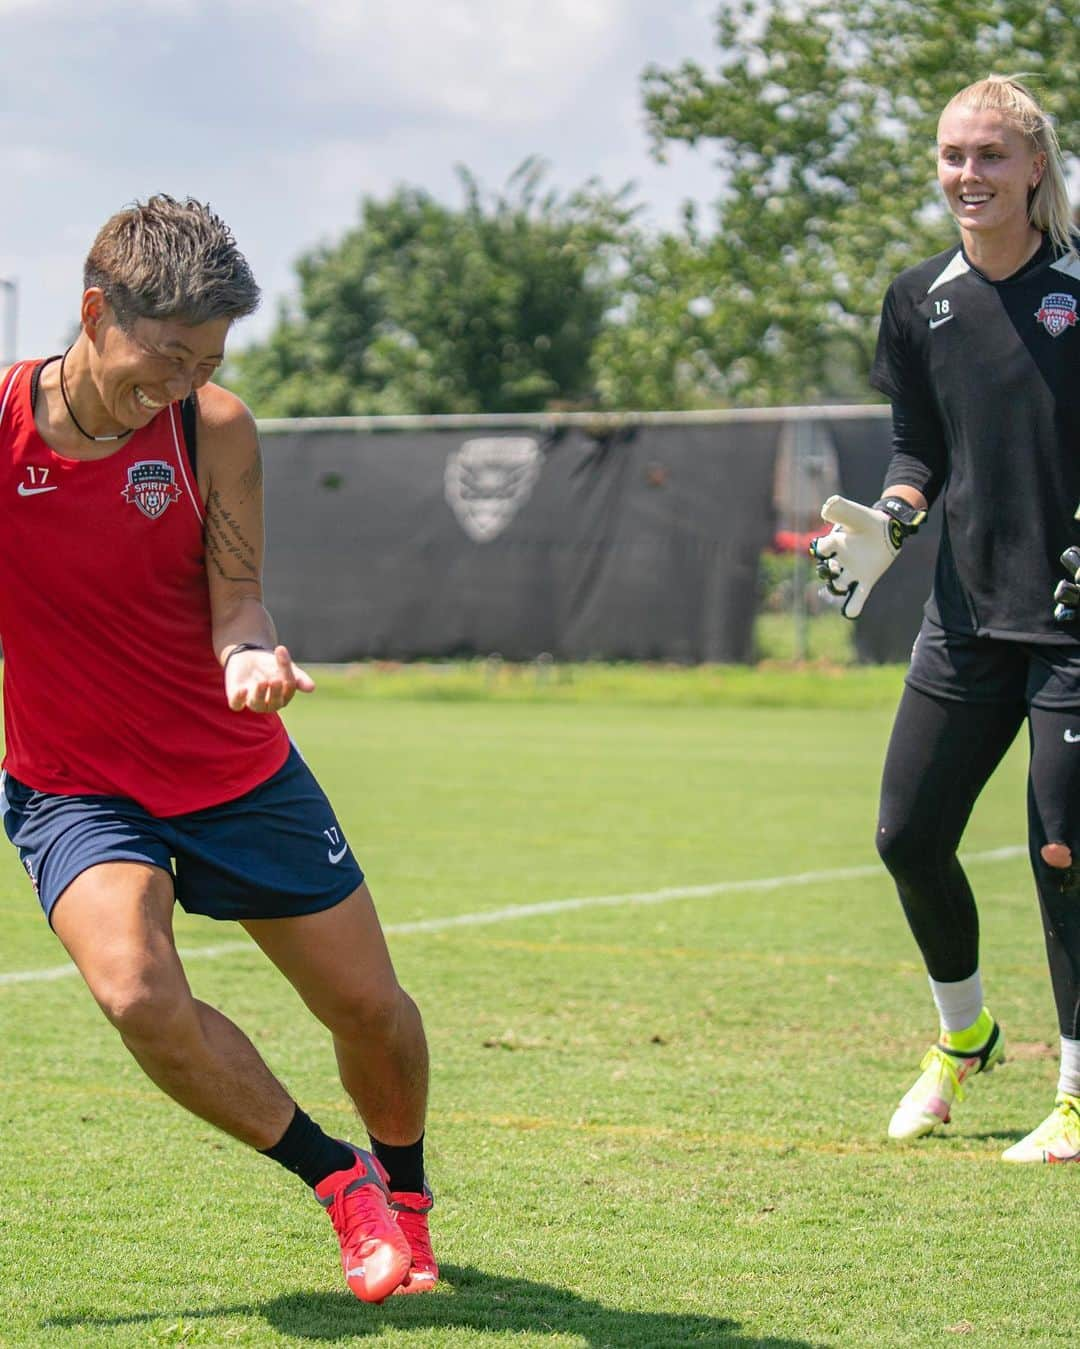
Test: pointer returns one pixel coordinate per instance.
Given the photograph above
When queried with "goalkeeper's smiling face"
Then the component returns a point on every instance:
(987, 169)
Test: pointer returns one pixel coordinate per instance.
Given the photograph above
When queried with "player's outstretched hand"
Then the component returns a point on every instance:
(1067, 594)
(860, 547)
(264, 681)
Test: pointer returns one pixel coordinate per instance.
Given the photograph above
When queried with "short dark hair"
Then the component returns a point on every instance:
(169, 259)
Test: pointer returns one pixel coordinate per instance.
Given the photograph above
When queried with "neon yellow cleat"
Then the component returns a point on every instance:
(941, 1082)
(1057, 1139)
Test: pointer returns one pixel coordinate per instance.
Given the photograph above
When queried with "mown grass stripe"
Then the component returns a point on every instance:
(505, 915)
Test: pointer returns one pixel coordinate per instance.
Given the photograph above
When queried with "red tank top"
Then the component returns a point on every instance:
(111, 685)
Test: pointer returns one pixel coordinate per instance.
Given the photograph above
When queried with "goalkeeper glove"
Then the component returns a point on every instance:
(1067, 594)
(862, 545)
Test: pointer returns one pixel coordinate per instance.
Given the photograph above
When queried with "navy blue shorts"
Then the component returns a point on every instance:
(971, 669)
(275, 852)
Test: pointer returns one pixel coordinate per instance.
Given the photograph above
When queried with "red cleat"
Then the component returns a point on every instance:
(411, 1212)
(375, 1252)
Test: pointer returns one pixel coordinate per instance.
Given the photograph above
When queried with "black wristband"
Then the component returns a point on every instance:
(242, 646)
(904, 518)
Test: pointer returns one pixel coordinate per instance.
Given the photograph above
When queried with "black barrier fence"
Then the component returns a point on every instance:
(629, 539)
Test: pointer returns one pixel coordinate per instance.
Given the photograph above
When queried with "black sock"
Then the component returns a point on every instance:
(308, 1153)
(405, 1165)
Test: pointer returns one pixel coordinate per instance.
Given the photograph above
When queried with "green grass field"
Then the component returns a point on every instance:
(655, 1121)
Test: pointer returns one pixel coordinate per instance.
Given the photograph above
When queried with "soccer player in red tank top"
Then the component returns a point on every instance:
(141, 717)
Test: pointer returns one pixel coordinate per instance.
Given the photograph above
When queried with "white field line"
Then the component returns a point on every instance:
(509, 914)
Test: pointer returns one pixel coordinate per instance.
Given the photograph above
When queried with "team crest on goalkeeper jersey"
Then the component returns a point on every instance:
(151, 485)
(1057, 313)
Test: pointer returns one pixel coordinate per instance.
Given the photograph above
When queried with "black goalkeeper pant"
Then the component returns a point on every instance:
(941, 755)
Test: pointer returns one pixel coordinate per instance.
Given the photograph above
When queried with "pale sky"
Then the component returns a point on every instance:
(284, 114)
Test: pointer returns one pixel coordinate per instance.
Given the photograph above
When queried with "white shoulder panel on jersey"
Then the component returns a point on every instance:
(1069, 264)
(13, 375)
(957, 266)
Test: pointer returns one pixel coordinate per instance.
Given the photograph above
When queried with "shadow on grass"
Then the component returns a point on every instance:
(1005, 1136)
(472, 1300)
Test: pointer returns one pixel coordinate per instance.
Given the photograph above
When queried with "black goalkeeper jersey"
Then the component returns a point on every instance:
(985, 378)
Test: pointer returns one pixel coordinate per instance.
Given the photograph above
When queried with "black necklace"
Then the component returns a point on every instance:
(71, 411)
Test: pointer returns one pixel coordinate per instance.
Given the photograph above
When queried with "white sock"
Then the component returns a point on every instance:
(1069, 1076)
(958, 1004)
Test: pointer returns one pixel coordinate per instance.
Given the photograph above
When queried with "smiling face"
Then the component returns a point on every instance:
(140, 369)
(986, 168)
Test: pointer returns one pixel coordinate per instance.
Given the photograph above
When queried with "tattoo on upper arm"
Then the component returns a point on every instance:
(228, 550)
(251, 478)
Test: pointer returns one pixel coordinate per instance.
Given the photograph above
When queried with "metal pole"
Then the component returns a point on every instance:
(588, 421)
(804, 440)
(11, 310)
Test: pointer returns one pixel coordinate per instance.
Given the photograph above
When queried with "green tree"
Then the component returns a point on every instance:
(687, 333)
(820, 118)
(421, 308)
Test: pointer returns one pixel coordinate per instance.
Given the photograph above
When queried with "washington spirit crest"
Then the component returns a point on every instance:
(1057, 313)
(487, 482)
(151, 485)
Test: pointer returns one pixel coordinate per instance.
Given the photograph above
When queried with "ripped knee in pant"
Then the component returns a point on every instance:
(1058, 857)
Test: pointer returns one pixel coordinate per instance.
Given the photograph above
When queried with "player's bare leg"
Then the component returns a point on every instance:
(115, 920)
(338, 962)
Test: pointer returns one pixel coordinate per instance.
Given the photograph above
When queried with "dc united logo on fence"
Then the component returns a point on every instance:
(1057, 312)
(151, 485)
(488, 481)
